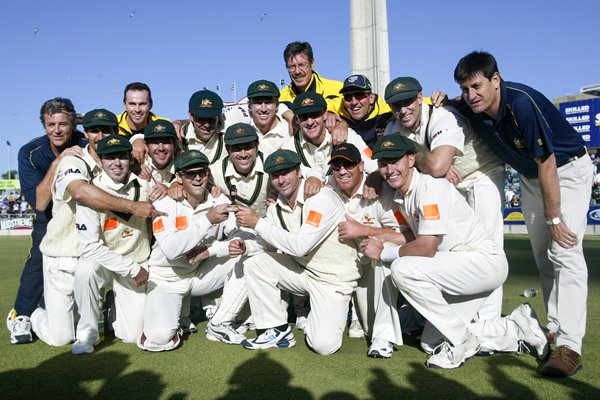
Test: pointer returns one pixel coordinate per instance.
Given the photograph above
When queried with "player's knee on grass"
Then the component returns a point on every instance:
(324, 344)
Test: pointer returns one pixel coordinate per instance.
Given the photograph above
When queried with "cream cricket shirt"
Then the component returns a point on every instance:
(61, 237)
(308, 233)
(214, 149)
(182, 230)
(268, 142)
(251, 189)
(317, 157)
(446, 126)
(118, 241)
(164, 176)
(432, 206)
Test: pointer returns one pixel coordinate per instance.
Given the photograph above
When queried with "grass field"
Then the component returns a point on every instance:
(205, 370)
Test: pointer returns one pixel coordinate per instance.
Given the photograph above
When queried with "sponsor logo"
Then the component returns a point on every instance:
(81, 227)
(594, 214)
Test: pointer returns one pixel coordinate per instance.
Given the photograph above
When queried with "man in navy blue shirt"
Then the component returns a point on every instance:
(525, 130)
(38, 160)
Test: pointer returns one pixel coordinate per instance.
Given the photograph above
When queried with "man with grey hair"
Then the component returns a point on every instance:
(38, 161)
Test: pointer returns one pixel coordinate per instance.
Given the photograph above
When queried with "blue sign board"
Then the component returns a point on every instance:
(584, 116)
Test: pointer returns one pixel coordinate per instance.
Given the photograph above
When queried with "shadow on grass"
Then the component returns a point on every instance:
(263, 378)
(74, 377)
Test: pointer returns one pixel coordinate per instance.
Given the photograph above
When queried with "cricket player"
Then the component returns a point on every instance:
(264, 114)
(114, 250)
(188, 257)
(313, 141)
(364, 218)
(312, 260)
(204, 130)
(54, 324)
(451, 257)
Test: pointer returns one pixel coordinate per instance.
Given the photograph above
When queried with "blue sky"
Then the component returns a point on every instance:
(88, 51)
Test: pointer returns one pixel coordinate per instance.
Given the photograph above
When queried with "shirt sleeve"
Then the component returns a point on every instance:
(70, 169)
(94, 248)
(177, 235)
(30, 175)
(446, 129)
(321, 215)
(433, 207)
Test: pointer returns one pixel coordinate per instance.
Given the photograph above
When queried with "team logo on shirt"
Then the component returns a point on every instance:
(307, 102)
(206, 103)
(127, 232)
(367, 219)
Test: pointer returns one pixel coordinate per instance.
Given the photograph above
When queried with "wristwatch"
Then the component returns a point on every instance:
(553, 221)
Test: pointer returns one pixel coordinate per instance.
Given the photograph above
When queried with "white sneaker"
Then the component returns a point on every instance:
(530, 330)
(447, 356)
(355, 330)
(271, 338)
(81, 347)
(380, 349)
(19, 327)
(223, 333)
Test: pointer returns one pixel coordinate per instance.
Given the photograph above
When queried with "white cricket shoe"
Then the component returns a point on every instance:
(448, 356)
(187, 326)
(355, 330)
(83, 347)
(223, 333)
(380, 348)
(19, 327)
(271, 338)
(530, 330)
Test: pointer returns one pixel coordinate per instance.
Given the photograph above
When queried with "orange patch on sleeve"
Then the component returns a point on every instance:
(314, 218)
(400, 218)
(158, 226)
(181, 223)
(368, 152)
(110, 224)
(431, 212)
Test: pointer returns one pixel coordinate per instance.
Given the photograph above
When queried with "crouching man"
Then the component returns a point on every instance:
(114, 250)
(313, 261)
(188, 258)
(452, 257)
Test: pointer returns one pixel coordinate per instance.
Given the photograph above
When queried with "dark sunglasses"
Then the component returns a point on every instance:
(348, 165)
(358, 96)
(190, 175)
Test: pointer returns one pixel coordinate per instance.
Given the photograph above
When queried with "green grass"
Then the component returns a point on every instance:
(205, 370)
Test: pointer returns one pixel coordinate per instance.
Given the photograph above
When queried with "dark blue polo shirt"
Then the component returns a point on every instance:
(528, 126)
(35, 159)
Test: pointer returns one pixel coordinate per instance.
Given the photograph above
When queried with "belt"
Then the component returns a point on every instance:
(577, 156)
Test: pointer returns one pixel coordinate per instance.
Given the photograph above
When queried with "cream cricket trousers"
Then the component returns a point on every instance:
(90, 280)
(55, 324)
(269, 273)
(164, 298)
(563, 272)
(427, 282)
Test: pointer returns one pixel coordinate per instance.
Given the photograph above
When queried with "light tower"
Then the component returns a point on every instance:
(370, 54)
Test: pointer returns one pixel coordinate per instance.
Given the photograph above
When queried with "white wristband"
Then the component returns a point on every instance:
(389, 253)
